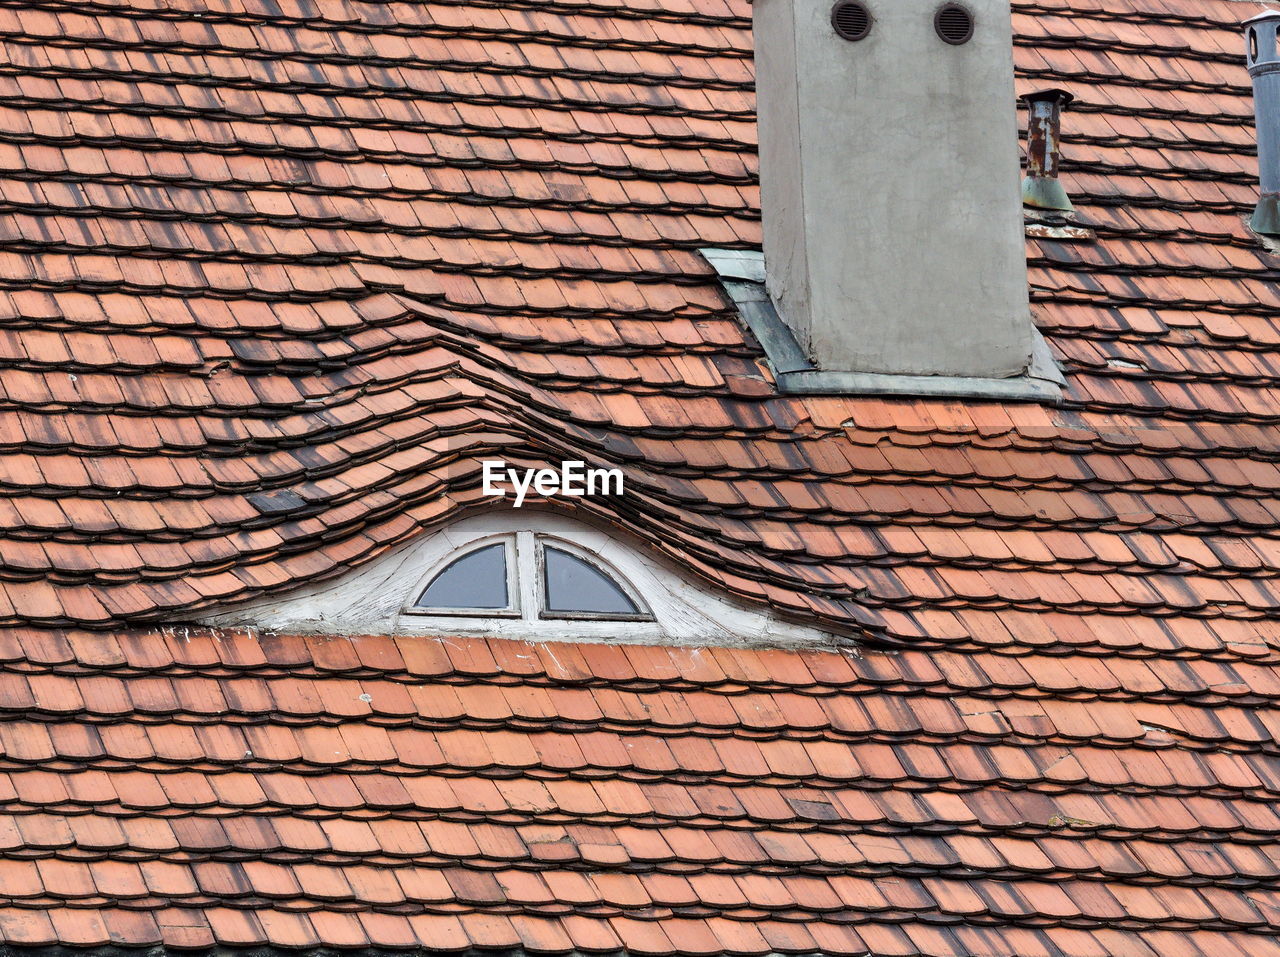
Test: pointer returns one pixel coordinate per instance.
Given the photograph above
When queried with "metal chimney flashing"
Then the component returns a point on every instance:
(741, 274)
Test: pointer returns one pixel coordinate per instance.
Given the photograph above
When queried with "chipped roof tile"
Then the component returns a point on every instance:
(894, 835)
(261, 272)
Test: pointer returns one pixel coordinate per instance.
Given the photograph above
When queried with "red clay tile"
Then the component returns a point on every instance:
(236, 926)
(539, 934)
(288, 930)
(389, 930)
(1050, 572)
(489, 930)
(642, 937)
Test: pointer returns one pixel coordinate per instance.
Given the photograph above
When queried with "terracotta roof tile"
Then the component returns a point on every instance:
(287, 263)
(909, 849)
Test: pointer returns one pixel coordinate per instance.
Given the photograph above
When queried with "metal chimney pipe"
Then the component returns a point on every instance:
(1040, 187)
(1264, 69)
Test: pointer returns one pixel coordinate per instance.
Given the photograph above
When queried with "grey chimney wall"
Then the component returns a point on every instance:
(893, 230)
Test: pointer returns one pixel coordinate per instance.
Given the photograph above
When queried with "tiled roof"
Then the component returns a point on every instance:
(188, 787)
(274, 277)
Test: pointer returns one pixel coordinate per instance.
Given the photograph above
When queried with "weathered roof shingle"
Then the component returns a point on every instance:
(195, 788)
(275, 276)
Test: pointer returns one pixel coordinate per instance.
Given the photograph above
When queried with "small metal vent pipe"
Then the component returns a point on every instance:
(1040, 187)
(1263, 61)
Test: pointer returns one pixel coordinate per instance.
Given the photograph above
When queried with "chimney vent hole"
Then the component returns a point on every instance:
(1253, 45)
(954, 23)
(851, 19)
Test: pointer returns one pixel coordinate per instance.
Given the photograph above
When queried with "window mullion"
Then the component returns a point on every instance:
(527, 576)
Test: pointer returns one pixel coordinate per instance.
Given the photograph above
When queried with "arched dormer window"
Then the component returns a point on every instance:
(476, 583)
(534, 575)
(529, 575)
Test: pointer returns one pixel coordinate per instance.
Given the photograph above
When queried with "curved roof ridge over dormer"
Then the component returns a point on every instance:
(264, 273)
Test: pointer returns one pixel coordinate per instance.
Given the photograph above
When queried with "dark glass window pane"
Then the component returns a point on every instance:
(577, 586)
(476, 580)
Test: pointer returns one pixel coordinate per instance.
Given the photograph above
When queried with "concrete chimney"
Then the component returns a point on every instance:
(893, 228)
(1040, 187)
(1263, 60)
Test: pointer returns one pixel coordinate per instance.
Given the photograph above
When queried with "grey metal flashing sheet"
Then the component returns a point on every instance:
(795, 372)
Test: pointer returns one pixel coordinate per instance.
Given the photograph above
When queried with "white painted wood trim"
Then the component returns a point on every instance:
(376, 598)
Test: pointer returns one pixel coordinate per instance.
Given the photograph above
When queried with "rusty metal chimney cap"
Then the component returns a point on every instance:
(1054, 95)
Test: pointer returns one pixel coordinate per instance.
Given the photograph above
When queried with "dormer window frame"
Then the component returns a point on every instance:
(528, 586)
(510, 562)
(376, 598)
(543, 585)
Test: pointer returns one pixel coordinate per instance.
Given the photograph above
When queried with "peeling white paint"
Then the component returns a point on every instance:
(378, 598)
